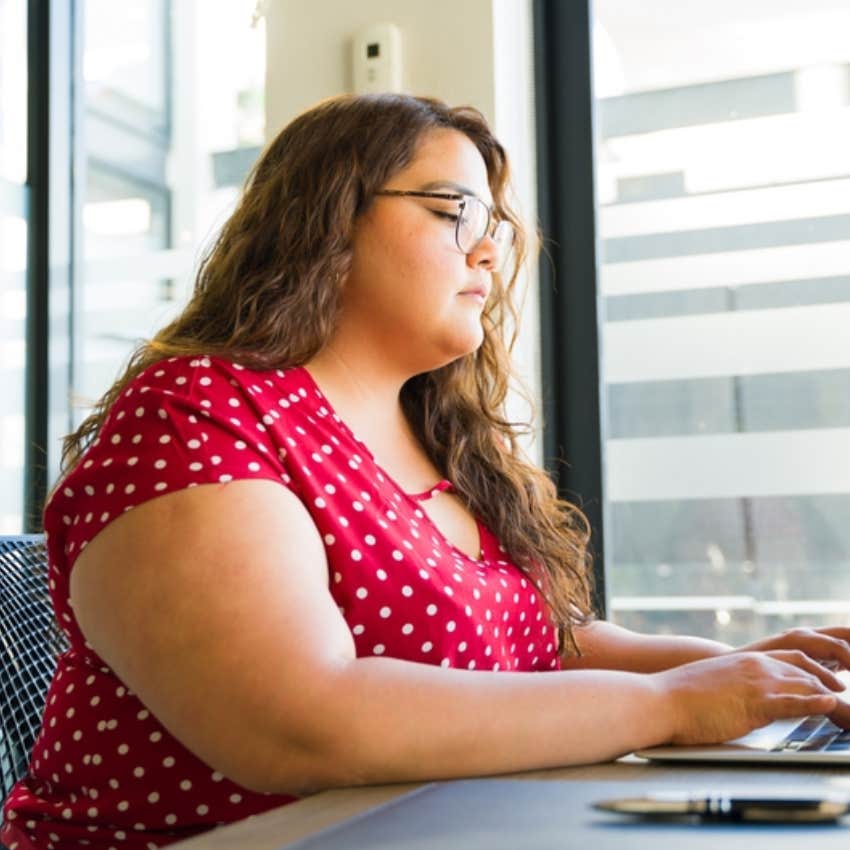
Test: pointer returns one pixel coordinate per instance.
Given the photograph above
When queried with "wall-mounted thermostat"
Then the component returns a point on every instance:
(376, 55)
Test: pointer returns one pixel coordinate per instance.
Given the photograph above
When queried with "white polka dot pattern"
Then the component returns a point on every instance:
(102, 764)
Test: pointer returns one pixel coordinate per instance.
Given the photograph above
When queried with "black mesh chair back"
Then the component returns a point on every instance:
(30, 641)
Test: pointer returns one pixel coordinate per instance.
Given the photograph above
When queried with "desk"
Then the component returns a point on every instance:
(280, 826)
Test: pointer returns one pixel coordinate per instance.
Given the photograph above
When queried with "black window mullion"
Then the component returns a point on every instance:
(570, 345)
(36, 398)
(50, 51)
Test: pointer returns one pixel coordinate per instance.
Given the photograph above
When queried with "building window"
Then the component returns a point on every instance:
(723, 191)
(162, 111)
(149, 138)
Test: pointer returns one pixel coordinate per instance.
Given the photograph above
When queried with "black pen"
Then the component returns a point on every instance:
(763, 807)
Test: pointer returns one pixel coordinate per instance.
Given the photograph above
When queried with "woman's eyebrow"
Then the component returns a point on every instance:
(448, 184)
(457, 187)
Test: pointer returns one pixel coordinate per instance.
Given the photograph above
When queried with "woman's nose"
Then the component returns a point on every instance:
(484, 254)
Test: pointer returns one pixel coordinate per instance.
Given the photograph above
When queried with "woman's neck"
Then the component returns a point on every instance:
(367, 399)
(365, 394)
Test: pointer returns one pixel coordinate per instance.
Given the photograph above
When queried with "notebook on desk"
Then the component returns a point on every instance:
(811, 740)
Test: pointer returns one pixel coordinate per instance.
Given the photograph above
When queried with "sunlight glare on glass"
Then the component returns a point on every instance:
(124, 217)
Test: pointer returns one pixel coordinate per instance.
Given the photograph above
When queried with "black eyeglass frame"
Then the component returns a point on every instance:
(490, 229)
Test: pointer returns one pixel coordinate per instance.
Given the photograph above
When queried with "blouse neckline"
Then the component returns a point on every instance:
(441, 486)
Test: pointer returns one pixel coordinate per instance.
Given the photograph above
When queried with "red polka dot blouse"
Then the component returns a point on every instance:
(104, 772)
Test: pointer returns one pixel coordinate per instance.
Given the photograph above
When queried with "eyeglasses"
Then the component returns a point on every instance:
(474, 221)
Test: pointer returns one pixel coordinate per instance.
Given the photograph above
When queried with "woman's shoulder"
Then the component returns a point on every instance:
(181, 422)
(217, 388)
(206, 374)
(189, 420)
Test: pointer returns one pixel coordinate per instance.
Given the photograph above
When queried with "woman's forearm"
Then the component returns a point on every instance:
(378, 720)
(606, 646)
(392, 721)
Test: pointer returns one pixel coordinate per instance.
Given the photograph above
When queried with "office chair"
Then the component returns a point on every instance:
(30, 641)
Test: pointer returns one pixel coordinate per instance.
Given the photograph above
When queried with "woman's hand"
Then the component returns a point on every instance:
(829, 646)
(718, 699)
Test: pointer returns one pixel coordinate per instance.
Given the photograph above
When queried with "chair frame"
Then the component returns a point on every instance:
(30, 642)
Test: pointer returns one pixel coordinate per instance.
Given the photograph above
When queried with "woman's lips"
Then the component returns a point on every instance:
(478, 292)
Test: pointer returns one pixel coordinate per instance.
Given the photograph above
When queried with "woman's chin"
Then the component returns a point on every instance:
(461, 344)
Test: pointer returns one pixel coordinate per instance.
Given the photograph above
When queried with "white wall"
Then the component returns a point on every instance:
(474, 52)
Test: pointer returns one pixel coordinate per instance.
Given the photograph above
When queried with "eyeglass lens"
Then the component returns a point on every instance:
(472, 226)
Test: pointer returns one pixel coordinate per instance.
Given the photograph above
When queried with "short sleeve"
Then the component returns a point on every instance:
(181, 423)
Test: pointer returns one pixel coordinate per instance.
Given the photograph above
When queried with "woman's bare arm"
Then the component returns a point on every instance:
(610, 647)
(606, 646)
(212, 605)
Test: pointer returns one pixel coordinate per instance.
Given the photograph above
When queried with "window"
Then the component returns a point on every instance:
(126, 197)
(723, 191)
(13, 257)
(169, 133)
(150, 135)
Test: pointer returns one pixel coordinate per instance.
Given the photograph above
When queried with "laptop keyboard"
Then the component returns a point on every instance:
(816, 733)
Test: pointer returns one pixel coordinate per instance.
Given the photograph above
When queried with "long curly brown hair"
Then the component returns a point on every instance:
(268, 294)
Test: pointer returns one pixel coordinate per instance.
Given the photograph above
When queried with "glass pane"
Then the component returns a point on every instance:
(724, 217)
(13, 254)
(13, 241)
(13, 91)
(170, 130)
(122, 219)
(125, 61)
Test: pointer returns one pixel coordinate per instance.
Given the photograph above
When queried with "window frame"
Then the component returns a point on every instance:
(54, 187)
(568, 269)
(50, 245)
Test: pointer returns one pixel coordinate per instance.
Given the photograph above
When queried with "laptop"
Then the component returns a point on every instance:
(808, 740)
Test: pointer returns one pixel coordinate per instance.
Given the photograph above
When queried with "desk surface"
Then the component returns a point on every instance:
(280, 826)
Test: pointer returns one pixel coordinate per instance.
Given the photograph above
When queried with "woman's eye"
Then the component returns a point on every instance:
(447, 216)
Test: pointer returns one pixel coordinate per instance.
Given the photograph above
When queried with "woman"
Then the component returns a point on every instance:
(306, 550)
